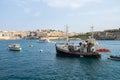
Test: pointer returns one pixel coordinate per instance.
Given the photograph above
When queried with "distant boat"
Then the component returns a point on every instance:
(14, 47)
(44, 40)
(113, 57)
(71, 50)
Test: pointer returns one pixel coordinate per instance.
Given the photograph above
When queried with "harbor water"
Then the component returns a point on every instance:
(39, 62)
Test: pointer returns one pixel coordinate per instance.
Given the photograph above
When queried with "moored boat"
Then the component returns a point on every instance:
(44, 40)
(86, 48)
(14, 47)
(67, 49)
(113, 57)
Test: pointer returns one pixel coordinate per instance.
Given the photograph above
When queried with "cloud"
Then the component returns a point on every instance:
(32, 7)
(31, 12)
(91, 13)
(36, 0)
(29, 6)
(36, 14)
(63, 3)
(70, 3)
(70, 14)
(27, 10)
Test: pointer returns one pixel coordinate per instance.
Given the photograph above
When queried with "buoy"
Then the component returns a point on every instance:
(31, 45)
(41, 50)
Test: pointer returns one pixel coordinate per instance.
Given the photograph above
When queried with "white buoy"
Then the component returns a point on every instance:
(30, 45)
(41, 50)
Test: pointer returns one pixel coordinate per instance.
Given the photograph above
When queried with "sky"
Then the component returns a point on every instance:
(78, 15)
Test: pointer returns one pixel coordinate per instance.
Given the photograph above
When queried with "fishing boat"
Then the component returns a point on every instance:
(14, 47)
(113, 57)
(44, 40)
(69, 49)
(86, 48)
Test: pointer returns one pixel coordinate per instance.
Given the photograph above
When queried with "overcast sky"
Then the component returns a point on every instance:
(79, 15)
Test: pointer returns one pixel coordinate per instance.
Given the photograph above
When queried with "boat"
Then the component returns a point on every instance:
(71, 50)
(14, 47)
(103, 50)
(44, 40)
(113, 57)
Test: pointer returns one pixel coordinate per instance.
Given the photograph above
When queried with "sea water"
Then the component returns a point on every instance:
(32, 64)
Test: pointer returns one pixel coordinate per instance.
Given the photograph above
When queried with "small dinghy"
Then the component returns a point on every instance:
(113, 57)
(103, 50)
(14, 47)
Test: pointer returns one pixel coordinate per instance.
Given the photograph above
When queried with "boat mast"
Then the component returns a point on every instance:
(92, 34)
(67, 34)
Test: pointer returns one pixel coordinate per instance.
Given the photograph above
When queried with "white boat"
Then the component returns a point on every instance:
(44, 40)
(14, 47)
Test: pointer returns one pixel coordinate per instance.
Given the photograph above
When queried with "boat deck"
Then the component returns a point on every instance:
(66, 52)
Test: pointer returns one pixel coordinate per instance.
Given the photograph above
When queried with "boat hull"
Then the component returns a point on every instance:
(15, 49)
(114, 57)
(61, 52)
(40, 41)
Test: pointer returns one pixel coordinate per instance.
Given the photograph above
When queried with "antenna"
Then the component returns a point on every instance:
(92, 34)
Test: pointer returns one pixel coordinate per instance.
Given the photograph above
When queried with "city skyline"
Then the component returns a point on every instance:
(79, 15)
